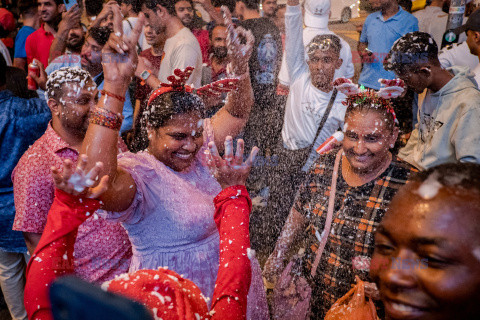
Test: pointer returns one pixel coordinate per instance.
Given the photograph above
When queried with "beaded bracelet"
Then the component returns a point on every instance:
(106, 118)
(110, 94)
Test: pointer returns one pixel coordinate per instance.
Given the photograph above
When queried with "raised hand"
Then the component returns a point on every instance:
(239, 53)
(77, 181)
(70, 19)
(119, 53)
(231, 170)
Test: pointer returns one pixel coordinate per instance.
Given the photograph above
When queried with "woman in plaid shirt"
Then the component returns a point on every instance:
(369, 176)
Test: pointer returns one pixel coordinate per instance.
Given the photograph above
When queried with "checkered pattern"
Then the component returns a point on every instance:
(358, 211)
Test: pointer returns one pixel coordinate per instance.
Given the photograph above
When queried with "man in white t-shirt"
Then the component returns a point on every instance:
(130, 10)
(181, 47)
(308, 99)
(316, 22)
(311, 87)
(433, 20)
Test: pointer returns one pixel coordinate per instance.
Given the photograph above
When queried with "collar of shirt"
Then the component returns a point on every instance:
(397, 16)
(42, 28)
(55, 141)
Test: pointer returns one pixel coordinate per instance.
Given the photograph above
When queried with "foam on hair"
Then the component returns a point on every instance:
(63, 76)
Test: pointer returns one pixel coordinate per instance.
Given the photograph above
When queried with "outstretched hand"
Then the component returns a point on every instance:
(77, 181)
(119, 53)
(239, 42)
(231, 170)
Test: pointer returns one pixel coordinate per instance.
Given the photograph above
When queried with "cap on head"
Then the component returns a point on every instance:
(473, 23)
(317, 13)
(411, 49)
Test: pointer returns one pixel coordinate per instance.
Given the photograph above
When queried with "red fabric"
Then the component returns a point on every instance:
(203, 39)
(163, 291)
(53, 256)
(38, 45)
(34, 194)
(232, 213)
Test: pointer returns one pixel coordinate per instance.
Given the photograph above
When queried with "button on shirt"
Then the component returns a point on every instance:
(380, 36)
(38, 45)
(102, 249)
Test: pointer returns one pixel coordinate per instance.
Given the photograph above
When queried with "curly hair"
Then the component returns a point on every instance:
(164, 108)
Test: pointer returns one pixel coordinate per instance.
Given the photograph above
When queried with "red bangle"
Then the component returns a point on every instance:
(108, 93)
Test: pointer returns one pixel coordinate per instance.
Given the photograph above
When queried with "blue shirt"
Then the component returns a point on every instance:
(73, 60)
(20, 40)
(380, 36)
(22, 121)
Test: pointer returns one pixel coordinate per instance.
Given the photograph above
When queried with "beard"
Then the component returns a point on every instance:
(75, 44)
(220, 52)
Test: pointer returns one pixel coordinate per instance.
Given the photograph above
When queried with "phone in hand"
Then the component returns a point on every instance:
(69, 3)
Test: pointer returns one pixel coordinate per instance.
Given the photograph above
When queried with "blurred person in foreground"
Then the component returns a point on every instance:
(426, 261)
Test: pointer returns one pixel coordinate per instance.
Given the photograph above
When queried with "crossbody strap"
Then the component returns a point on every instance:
(325, 116)
(328, 222)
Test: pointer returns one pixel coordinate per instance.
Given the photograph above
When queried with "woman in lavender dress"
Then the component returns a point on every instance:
(163, 196)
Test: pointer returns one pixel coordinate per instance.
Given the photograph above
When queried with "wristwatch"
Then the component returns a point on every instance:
(145, 74)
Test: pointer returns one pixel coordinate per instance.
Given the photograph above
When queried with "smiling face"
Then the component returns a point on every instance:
(91, 56)
(367, 140)
(75, 39)
(48, 10)
(443, 233)
(178, 141)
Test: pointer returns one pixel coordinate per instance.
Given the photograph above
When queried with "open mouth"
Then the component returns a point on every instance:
(398, 310)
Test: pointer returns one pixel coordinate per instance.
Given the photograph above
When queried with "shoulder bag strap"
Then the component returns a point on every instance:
(331, 205)
(325, 116)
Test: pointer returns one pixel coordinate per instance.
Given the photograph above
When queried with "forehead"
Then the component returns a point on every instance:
(219, 31)
(51, 2)
(444, 216)
(183, 4)
(319, 54)
(185, 121)
(76, 89)
(365, 122)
